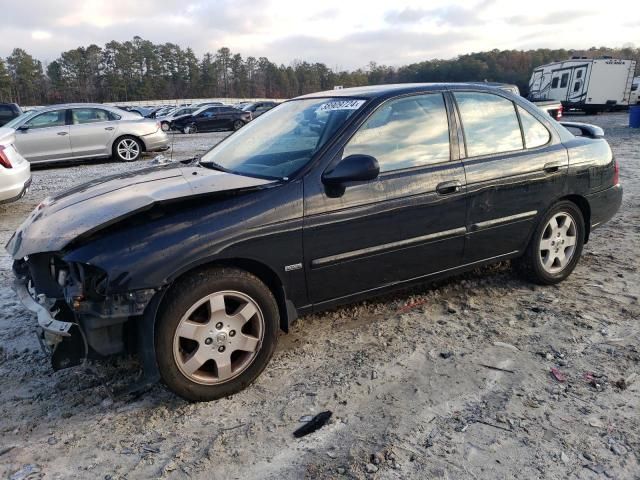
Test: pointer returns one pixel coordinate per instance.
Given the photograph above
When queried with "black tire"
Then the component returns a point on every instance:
(531, 263)
(238, 124)
(187, 293)
(127, 149)
(191, 128)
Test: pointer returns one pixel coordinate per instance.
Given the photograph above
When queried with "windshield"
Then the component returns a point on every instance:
(282, 140)
(16, 122)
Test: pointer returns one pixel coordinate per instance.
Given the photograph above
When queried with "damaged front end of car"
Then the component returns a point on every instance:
(92, 283)
(77, 317)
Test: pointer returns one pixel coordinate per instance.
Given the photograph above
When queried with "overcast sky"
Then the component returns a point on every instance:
(341, 33)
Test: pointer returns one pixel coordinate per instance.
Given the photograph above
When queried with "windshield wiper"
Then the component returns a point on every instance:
(213, 165)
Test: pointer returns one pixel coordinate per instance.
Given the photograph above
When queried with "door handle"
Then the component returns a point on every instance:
(63, 133)
(552, 167)
(108, 128)
(447, 188)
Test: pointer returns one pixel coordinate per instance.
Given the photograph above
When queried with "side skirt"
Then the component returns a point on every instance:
(366, 294)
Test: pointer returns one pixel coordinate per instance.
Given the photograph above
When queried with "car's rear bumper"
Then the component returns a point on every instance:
(14, 182)
(156, 142)
(604, 205)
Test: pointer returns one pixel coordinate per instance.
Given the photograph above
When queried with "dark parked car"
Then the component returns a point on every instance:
(9, 111)
(331, 198)
(212, 118)
(258, 108)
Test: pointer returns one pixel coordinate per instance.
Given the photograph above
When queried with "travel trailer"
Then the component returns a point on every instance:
(588, 84)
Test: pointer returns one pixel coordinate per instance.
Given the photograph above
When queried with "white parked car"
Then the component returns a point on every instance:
(74, 131)
(15, 171)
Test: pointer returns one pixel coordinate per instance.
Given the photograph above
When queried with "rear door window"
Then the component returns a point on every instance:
(489, 122)
(535, 133)
(89, 115)
(404, 133)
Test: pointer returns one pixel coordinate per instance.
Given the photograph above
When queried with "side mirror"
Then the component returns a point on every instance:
(23, 128)
(354, 168)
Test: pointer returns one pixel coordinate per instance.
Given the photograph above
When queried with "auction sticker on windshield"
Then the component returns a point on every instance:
(340, 105)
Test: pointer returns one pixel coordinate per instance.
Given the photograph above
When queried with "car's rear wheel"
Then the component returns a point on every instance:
(238, 124)
(165, 126)
(127, 149)
(215, 334)
(556, 245)
(191, 128)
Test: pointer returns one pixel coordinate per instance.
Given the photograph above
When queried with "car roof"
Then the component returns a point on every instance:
(77, 105)
(375, 91)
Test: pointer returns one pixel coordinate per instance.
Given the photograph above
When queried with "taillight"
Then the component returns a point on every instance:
(616, 172)
(4, 160)
(559, 113)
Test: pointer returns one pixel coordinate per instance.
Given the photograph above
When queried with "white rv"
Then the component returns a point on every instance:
(589, 84)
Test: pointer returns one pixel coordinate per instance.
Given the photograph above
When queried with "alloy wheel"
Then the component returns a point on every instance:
(128, 149)
(218, 337)
(558, 243)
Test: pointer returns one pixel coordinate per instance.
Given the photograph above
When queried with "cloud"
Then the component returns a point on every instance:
(552, 18)
(371, 45)
(335, 32)
(453, 15)
(40, 35)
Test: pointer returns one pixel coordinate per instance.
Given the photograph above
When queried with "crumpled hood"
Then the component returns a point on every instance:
(94, 205)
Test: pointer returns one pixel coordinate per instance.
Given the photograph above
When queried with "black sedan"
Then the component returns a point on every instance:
(212, 118)
(330, 198)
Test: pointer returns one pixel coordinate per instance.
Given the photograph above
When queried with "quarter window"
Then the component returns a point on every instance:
(535, 133)
(490, 123)
(55, 118)
(403, 133)
(576, 86)
(579, 74)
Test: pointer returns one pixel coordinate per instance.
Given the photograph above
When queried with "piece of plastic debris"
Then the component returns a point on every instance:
(558, 375)
(25, 472)
(314, 424)
(506, 345)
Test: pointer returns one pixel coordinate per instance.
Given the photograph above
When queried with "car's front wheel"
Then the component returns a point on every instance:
(127, 149)
(556, 245)
(165, 126)
(215, 333)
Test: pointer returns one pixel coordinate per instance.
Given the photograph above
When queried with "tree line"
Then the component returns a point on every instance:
(141, 70)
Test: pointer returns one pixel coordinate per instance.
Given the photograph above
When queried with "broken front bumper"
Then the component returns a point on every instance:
(45, 317)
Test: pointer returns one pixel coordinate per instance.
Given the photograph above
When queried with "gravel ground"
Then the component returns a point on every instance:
(446, 381)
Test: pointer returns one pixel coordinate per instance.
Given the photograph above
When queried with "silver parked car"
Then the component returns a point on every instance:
(15, 171)
(166, 119)
(84, 130)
